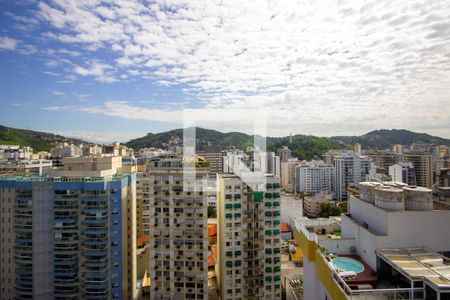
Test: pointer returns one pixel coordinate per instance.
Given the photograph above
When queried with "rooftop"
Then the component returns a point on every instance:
(419, 263)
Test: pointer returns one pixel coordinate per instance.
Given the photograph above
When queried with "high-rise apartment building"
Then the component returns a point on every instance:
(288, 174)
(249, 239)
(178, 231)
(313, 177)
(284, 153)
(403, 172)
(357, 148)
(398, 148)
(214, 156)
(70, 235)
(349, 169)
(383, 159)
(143, 183)
(423, 167)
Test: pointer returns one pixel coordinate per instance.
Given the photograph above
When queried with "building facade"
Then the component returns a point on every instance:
(288, 174)
(403, 172)
(392, 256)
(284, 153)
(178, 231)
(349, 169)
(214, 156)
(423, 167)
(313, 177)
(69, 236)
(249, 239)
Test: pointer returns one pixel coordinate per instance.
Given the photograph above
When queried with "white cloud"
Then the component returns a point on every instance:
(322, 67)
(240, 117)
(58, 93)
(7, 43)
(97, 70)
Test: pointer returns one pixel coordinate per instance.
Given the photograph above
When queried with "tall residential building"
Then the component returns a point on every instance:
(383, 159)
(288, 174)
(403, 172)
(313, 177)
(214, 156)
(249, 239)
(284, 153)
(357, 148)
(143, 184)
(70, 235)
(267, 161)
(178, 231)
(392, 245)
(423, 167)
(398, 148)
(349, 169)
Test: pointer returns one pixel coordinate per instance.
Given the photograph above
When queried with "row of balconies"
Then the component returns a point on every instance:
(168, 257)
(177, 268)
(158, 287)
(189, 247)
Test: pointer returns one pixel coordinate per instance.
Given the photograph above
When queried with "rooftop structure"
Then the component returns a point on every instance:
(391, 245)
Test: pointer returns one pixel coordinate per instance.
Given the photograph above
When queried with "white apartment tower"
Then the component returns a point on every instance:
(313, 177)
(178, 231)
(403, 172)
(248, 239)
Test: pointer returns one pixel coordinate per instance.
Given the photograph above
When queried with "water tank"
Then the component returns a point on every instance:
(367, 191)
(389, 198)
(417, 198)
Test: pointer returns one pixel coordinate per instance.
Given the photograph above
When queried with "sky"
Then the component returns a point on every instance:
(115, 70)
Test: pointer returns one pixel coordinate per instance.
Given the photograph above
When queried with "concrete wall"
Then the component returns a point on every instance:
(364, 212)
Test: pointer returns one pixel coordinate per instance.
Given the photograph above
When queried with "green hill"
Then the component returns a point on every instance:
(39, 141)
(304, 147)
(385, 139)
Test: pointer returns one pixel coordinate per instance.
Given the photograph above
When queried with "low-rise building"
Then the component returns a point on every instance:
(312, 204)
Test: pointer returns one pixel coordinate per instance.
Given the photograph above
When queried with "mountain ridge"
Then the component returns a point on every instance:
(38, 140)
(302, 146)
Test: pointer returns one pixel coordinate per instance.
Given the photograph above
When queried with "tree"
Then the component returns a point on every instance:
(212, 212)
(329, 209)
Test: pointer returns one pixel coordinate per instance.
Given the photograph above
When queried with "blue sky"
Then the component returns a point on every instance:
(108, 71)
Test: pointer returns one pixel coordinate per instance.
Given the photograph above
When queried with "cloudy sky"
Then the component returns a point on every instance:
(114, 70)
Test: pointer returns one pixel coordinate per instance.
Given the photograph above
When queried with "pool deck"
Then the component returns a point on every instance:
(368, 276)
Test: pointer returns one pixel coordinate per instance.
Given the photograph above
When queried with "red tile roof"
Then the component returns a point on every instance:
(285, 227)
(142, 240)
(212, 230)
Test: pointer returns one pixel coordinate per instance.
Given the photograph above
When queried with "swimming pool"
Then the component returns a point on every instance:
(347, 264)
